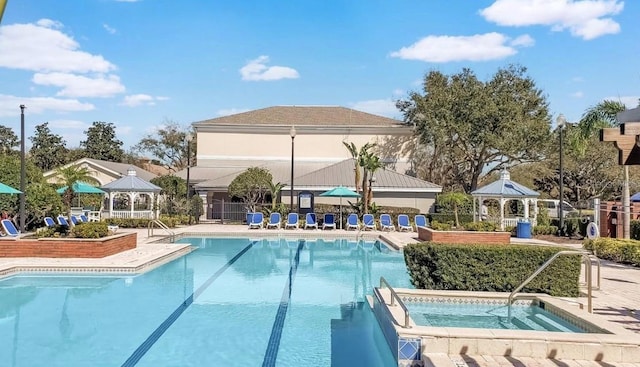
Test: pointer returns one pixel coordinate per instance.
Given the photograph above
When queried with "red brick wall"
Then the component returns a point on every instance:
(68, 247)
(427, 234)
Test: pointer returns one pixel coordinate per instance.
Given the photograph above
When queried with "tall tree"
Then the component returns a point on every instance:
(102, 143)
(47, 149)
(69, 175)
(473, 128)
(169, 145)
(351, 147)
(8, 140)
(372, 163)
(251, 186)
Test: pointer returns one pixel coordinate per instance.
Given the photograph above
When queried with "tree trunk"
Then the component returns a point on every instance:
(626, 228)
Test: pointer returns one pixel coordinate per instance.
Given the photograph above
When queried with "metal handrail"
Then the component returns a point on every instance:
(172, 234)
(395, 296)
(544, 266)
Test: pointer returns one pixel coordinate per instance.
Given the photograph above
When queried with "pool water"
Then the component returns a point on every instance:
(488, 316)
(231, 302)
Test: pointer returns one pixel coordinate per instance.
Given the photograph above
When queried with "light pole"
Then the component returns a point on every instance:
(23, 179)
(561, 121)
(188, 137)
(292, 133)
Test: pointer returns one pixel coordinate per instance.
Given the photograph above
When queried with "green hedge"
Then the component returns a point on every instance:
(171, 222)
(553, 230)
(614, 249)
(495, 268)
(90, 230)
(449, 218)
(481, 227)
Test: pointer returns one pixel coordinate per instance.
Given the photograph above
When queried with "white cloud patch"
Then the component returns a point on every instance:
(257, 70)
(629, 101)
(587, 19)
(37, 105)
(109, 29)
(381, 107)
(578, 94)
(69, 124)
(135, 100)
(479, 47)
(42, 47)
(231, 111)
(81, 86)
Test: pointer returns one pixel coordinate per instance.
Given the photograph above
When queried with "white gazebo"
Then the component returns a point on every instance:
(131, 197)
(505, 190)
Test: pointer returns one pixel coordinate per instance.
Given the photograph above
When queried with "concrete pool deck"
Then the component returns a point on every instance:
(617, 300)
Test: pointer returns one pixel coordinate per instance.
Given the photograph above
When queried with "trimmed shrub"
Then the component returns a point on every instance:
(171, 222)
(438, 226)
(481, 226)
(543, 230)
(90, 230)
(618, 250)
(495, 268)
(449, 217)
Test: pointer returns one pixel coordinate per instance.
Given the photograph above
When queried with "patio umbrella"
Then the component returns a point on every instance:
(341, 192)
(4, 189)
(80, 187)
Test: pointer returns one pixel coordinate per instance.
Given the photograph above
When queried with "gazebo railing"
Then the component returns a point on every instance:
(125, 214)
(512, 222)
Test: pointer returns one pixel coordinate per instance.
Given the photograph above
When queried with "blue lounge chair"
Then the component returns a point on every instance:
(274, 221)
(10, 228)
(420, 221)
(352, 221)
(329, 221)
(62, 221)
(257, 221)
(292, 221)
(368, 222)
(403, 223)
(49, 222)
(310, 221)
(84, 218)
(386, 223)
(75, 220)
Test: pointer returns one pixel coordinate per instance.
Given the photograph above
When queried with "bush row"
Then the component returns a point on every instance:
(171, 222)
(614, 249)
(81, 230)
(496, 268)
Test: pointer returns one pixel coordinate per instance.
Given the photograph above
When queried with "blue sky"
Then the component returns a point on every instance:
(139, 64)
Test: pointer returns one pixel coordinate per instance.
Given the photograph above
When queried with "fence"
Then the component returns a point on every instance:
(227, 211)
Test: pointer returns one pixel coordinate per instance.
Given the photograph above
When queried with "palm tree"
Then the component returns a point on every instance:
(67, 176)
(275, 189)
(603, 115)
(371, 164)
(351, 147)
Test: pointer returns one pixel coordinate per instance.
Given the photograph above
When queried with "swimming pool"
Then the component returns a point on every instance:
(489, 316)
(232, 301)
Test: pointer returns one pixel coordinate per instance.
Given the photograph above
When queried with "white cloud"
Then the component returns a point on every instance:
(135, 100)
(398, 92)
(231, 111)
(629, 101)
(37, 105)
(109, 28)
(578, 94)
(42, 47)
(523, 41)
(381, 107)
(81, 86)
(479, 47)
(68, 124)
(257, 70)
(586, 19)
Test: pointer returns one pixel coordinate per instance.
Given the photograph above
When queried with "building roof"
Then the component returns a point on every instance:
(342, 174)
(121, 168)
(632, 115)
(505, 188)
(303, 115)
(130, 183)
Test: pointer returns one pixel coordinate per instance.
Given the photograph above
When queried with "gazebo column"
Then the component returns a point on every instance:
(154, 204)
(132, 199)
(476, 215)
(526, 207)
(110, 204)
(502, 201)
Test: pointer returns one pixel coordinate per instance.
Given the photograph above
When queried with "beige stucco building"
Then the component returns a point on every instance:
(228, 145)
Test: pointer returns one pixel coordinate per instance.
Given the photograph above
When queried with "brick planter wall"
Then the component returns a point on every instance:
(68, 247)
(427, 234)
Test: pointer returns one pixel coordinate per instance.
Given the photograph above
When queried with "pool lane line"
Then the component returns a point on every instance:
(135, 357)
(273, 346)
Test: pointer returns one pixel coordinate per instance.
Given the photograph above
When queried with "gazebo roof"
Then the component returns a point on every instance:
(505, 188)
(130, 183)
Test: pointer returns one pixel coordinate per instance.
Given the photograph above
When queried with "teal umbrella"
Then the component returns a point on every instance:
(341, 192)
(5, 189)
(81, 188)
